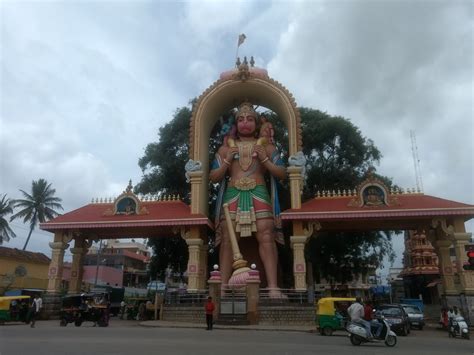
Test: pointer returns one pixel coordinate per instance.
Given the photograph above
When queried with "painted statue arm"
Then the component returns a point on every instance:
(266, 154)
(223, 161)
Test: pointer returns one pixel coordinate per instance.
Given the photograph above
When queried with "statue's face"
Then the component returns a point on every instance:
(246, 125)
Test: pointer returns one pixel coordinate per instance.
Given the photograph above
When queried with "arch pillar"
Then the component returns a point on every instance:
(198, 204)
(197, 257)
(203, 255)
(298, 243)
(445, 266)
(299, 264)
(81, 246)
(460, 240)
(296, 185)
(56, 266)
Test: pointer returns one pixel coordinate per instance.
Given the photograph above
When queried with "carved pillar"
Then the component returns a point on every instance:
(80, 249)
(55, 272)
(296, 185)
(461, 239)
(203, 255)
(196, 179)
(299, 263)
(215, 283)
(194, 247)
(445, 266)
(253, 287)
(298, 243)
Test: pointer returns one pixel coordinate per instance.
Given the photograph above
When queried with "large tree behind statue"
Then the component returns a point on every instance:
(338, 156)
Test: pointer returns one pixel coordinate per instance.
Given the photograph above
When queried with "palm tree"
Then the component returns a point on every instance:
(37, 206)
(6, 207)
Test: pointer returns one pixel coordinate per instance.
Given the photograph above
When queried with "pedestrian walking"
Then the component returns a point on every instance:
(35, 309)
(209, 307)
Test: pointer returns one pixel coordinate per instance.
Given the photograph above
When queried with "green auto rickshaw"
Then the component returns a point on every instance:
(14, 308)
(331, 314)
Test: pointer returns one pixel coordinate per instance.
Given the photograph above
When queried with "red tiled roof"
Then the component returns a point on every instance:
(99, 216)
(409, 205)
(23, 255)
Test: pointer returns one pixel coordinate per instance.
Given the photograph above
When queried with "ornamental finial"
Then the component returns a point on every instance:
(129, 187)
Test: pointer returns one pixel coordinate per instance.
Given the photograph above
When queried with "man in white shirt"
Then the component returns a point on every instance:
(35, 309)
(356, 313)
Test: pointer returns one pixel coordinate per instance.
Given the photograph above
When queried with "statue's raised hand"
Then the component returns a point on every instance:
(261, 152)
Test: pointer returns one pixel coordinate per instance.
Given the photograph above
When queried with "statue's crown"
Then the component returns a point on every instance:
(245, 109)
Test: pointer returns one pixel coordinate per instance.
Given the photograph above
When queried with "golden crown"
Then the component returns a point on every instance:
(246, 109)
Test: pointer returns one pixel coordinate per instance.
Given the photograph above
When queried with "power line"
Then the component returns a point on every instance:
(36, 231)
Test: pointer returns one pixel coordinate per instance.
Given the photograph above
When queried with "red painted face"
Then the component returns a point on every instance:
(246, 125)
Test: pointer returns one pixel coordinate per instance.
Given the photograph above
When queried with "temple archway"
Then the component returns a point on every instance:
(230, 90)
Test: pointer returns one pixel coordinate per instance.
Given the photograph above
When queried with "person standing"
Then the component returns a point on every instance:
(35, 309)
(123, 307)
(209, 308)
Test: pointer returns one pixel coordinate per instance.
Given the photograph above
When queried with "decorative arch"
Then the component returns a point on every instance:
(230, 90)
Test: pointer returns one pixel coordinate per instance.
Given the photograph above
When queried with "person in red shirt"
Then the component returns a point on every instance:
(209, 307)
(368, 309)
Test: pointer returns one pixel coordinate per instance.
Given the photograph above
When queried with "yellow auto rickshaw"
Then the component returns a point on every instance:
(14, 308)
(331, 314)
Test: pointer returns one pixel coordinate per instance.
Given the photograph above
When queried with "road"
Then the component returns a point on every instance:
(127, 337)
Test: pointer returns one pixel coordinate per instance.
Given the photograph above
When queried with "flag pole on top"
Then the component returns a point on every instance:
(241, 40)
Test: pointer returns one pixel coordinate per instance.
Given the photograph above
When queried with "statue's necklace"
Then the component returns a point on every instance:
(245, 154)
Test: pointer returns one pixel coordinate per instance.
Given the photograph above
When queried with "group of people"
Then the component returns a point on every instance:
(363, 315)
(448, 314)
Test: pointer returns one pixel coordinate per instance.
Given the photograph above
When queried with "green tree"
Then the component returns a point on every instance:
(6, 208)
(169, 252)
(337, 156)
(38, 206)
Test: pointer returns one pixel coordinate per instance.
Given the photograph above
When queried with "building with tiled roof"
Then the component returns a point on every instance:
(21, 269)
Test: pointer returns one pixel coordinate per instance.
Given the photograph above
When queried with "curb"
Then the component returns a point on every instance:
(164, 324)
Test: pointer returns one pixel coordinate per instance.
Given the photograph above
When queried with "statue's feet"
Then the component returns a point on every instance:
(275, 293)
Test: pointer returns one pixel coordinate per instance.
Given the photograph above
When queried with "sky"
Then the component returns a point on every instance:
(85, 85)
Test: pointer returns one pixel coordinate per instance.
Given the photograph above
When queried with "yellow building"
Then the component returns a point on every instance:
(22, 269)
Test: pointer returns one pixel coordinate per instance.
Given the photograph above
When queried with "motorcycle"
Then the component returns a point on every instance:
(458, 327)
(358, 334)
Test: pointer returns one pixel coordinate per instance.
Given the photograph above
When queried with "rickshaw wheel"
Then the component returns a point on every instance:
(78, 323)
(355, 340)
(327, 331)
(63, 323)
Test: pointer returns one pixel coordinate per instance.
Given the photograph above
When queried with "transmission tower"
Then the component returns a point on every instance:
(416, 162)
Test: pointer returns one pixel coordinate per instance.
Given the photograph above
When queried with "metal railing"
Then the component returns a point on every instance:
(288, 297)
(186, 298)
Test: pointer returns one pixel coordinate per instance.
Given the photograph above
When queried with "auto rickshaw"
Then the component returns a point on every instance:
(90, 307)
(14, 309)
(331, 314)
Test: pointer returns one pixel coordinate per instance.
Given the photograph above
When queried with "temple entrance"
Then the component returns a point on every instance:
(371, 206)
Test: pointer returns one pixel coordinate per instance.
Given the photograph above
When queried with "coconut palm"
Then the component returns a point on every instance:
(38, 206)
(6, 207)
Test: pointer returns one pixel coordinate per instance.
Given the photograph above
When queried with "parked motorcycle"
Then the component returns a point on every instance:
(358, 334)
(458, 327)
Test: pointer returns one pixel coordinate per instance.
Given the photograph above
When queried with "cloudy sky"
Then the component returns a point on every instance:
(85, 85)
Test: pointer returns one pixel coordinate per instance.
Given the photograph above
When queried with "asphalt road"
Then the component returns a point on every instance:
(127, 337)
